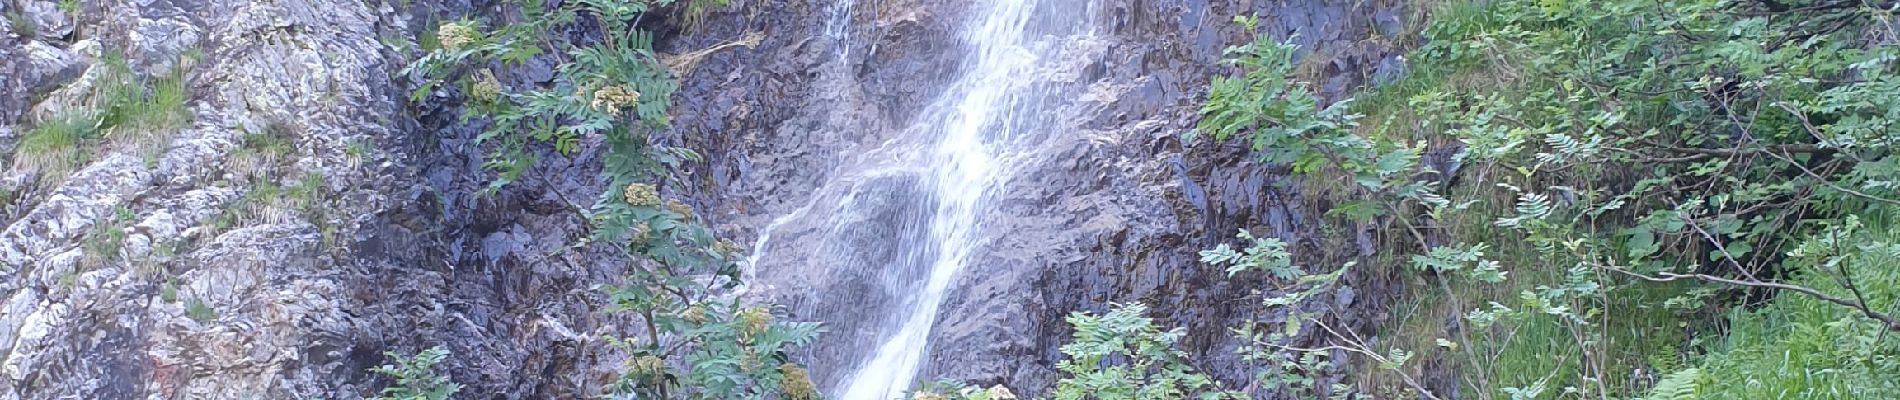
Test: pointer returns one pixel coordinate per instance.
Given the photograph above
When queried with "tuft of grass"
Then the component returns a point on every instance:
(104, 244)
(130, 102)
(123, 110)
(21, 25)
(357, 149)
(306, 192)
(169, 292)
(107, 238)
(428, 42)
(260, 153)
(153, 264)
(271, 201)
(199, 311)
(58, 146)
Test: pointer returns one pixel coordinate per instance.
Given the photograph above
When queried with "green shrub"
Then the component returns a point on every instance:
(694, 344)
(1122, 355)
(415, 377)
(1620, 168)
(1801, 347)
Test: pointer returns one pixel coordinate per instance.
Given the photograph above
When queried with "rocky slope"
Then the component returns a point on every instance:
(226, 286)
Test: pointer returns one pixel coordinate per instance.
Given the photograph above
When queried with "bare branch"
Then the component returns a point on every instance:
(1891, 323)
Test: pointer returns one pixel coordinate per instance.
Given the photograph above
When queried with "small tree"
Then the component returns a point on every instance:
(1121, 355)
(415, 376)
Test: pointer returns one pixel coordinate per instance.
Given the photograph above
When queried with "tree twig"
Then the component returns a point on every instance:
(1891, 323)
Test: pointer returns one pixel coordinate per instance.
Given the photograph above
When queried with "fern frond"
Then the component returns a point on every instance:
(1679, 385)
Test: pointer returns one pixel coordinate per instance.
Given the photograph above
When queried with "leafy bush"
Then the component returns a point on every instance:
(695, 344)
(1801, 347)
(1604, 172)
(1121, 355)
(954, 390)
(415, 376)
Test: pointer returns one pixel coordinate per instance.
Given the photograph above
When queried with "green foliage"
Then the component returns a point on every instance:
(954, 390)
(415, 376)
(597, 91)
(722, 350)
(1679, 385)
(261, 154)
(108, 236)
(58, 145)
(695, 343)
(133, 103)
(357, 149)
(121, 107)
(1283, 116)
(199, 311)
(1121, 355)
(70, 7)
(169, 292)
(1800, 347)
(1629, 160)
(21, 25)
(1267, 254)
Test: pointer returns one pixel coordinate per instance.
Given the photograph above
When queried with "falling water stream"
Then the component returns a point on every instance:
(838, 26)
(953, 158)
(970, 121)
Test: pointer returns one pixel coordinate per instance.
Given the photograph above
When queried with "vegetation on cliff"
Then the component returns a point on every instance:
(695, 341)
(1609, 199)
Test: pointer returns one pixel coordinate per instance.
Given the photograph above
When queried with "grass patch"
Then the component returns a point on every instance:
(199, 311)
(108, 238)
(428, 41)
(21, 25)
(104, 244)
(139, 109)
(357, 149)
(122, 110)
(57, 147)
(259, 154)
(270, 201)
(169, 291)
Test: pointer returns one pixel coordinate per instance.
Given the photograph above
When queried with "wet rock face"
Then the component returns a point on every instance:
(1118, 211)
(1113, 211)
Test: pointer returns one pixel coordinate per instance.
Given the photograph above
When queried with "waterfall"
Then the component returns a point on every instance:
(838, 26)
(876, 250)
(973, 123)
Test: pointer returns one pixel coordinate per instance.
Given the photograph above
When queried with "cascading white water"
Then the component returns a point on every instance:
(961, 168)
(838, 26)
(876, 250)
